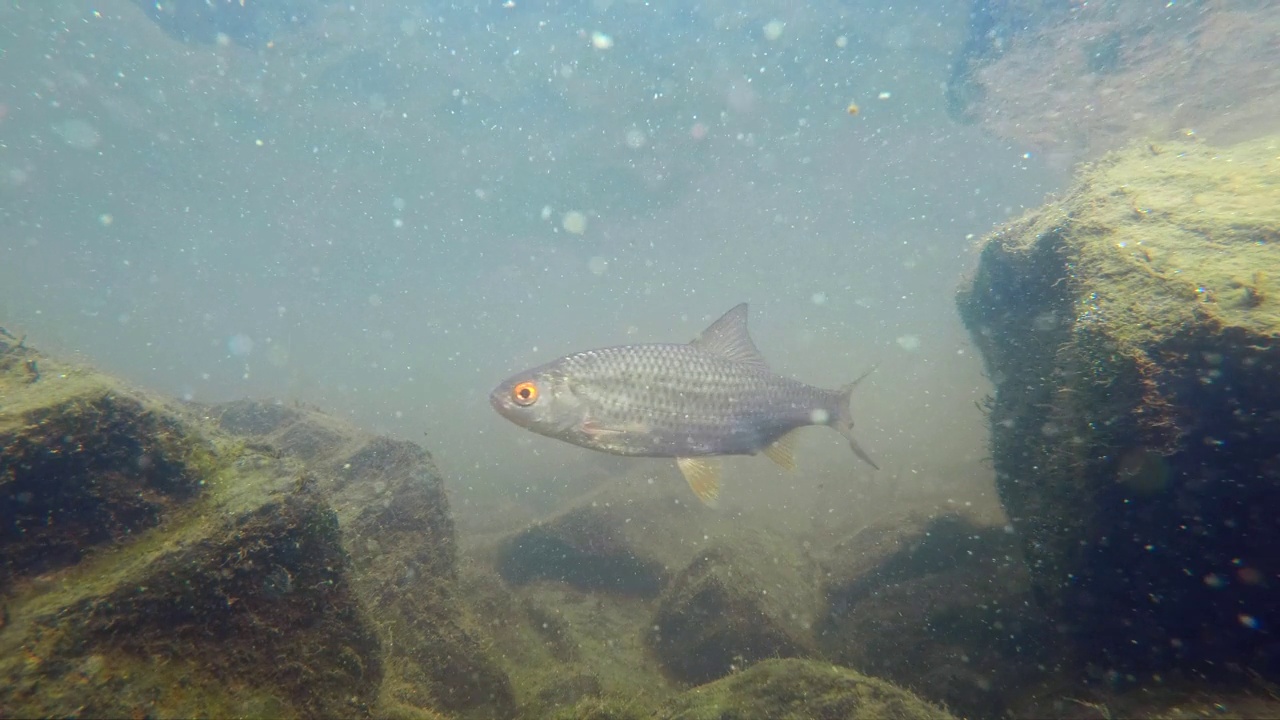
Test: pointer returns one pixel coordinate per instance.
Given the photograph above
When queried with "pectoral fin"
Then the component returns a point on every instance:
(703, 476)
(595, 429)
(783, 451)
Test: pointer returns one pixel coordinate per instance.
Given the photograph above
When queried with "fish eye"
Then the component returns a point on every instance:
(524, 394)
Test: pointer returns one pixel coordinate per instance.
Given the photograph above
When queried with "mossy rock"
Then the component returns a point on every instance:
(564, 649)
(800, 690)
(737, 603)
(229, 595)
(301, 569)
(585, 548)
(1132, 332)
(941, 605)
(617, 540)
(391, 504)
(84, 462)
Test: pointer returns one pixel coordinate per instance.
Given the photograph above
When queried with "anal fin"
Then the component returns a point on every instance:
(703, 476)
(783, 451)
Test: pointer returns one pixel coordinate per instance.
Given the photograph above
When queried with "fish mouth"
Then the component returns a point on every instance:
(498, 399)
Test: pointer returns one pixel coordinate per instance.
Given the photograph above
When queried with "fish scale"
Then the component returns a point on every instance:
(682, 391)
(714, 396)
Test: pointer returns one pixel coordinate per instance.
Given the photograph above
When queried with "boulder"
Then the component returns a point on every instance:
(941, 605)
(241, 560)
(391, 505)
(1032, 71)
(615, 540)
(154, 570)
(1132, 332)
(786, 689)
(740, 601)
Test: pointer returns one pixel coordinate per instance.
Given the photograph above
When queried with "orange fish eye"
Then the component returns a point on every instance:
(524, 394)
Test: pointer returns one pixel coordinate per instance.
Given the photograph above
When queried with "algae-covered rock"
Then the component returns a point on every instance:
(941, 605)
(390, 503)
(1132, 332)
(586, 547)
(623, 539)
(635, 591)
(155, 563)
(83, 463)
(228, 595)
(737, 603)
(565, 649)
(800, 690)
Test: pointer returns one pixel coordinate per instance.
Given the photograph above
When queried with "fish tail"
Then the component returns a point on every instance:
(842, 419)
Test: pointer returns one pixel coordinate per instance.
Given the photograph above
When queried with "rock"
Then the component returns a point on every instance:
(737, 603)
(156, 564)
(799, 689)
(1132, 331)
(615, 541)
(583, 547)
(170, 568)
(940, 605)
(1014, 78)
(391, 505)
(84, 463)
(566, 649)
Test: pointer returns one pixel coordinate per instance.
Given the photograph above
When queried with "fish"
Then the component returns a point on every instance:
(694, 402)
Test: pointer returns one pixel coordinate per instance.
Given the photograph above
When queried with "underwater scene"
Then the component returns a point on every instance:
(628, 359)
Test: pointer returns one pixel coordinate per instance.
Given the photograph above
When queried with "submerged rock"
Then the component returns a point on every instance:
(154, 564)
(391, 505)
(941, 605)
(619, 540)
(170, 566)
(1033, 71)
(737, 603)
(1132, 331)
(798, 689)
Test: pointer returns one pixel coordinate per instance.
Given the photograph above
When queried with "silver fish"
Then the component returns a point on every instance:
(714, 396)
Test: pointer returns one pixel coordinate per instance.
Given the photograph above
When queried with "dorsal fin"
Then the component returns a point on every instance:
(728, 338)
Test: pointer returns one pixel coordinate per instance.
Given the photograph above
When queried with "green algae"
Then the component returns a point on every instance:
(1132, 331)
(800, 690)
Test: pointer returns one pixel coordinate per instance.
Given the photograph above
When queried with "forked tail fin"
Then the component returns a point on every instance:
(842, 421)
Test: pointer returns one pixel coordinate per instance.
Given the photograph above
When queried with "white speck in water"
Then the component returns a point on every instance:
(636, 139)
(818, 416)
(575, 222)
(597, 265)
(78, 134)
(240, 345)
(773, 30)
(601, 41)
(909, 342)
(818, 298)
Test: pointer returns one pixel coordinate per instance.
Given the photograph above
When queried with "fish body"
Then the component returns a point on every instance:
(714, 396)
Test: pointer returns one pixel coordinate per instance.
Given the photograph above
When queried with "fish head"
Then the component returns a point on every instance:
(541, 400)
